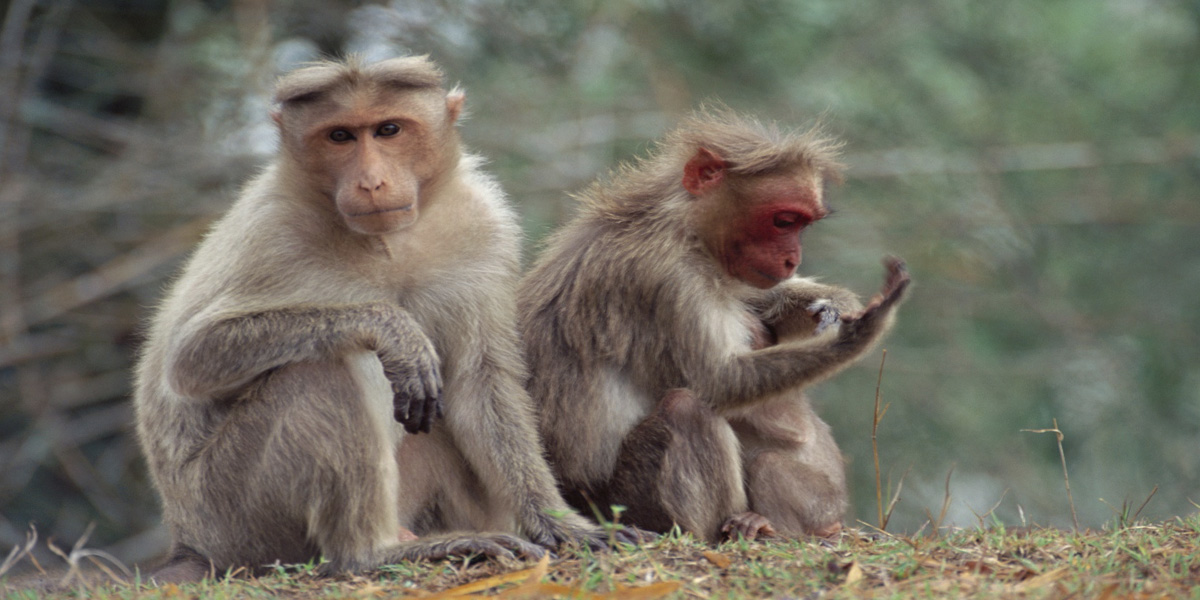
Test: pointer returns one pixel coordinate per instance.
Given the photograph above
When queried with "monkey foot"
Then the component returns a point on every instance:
(828, 531)
(406, 535)
(184, 566)
(749, 525)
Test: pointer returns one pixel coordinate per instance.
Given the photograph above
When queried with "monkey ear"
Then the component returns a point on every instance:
(703, 172)
(277, 116)
(454, 104)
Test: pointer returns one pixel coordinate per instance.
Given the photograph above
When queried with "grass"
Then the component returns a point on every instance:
(1125, 560)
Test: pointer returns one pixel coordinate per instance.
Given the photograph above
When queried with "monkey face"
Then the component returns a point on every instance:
(757, 237)
(373, 153)
(376, 185)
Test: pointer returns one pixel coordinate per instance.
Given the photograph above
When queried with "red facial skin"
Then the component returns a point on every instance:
(753, 228)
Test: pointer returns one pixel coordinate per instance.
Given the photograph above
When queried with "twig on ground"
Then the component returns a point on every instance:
(1144, 503)
(937, 524)
(1058, 434)
(878, 416)
(78, 552)
(19, 551)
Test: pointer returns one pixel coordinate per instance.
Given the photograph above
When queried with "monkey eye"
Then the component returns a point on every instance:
(387, 130)
(788, 220)
(340, 135)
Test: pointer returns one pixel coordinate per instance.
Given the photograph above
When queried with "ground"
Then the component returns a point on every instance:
(1122, 561)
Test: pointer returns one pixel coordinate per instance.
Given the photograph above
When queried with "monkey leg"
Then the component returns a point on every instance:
(801, 488)
(303, 465)
(680, 466)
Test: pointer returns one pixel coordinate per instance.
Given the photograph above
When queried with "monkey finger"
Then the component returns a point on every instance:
(897, 274)
(895, 293)
(416, 416)
(749, 525)
(636, 536)
(400, 407)
(519, 546)
(486, 547)
(433, 410)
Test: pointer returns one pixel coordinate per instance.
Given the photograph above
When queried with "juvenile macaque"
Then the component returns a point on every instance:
(337, 372)
(651, 324)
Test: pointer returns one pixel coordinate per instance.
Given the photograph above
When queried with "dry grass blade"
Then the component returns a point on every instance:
(983, 517)
(875, 444)
(887, 514)
(1058, 435)
(19, 551)
(1144, 503)
(78, 552)
(937, 523)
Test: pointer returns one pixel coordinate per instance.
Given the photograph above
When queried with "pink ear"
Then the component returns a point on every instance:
(277, 116)
(454, 104)
(703, 172)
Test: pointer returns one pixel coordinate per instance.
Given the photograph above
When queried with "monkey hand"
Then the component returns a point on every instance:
(416, 385)
(824, 314)
(880, 307)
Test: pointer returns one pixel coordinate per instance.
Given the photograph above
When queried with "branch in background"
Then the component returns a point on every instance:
(32, 348)
(1022, 157)
(115, 275)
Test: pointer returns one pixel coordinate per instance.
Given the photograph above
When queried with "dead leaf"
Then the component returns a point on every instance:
(647, 592)
(718, 559)
(488, 583)
(854, 574)
(1038, 581)
(980, 567)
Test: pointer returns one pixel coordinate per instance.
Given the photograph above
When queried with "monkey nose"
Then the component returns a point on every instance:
(371, 186)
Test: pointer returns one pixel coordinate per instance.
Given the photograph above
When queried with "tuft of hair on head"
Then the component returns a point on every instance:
(751, 147)
(748, 146)
(315, 80)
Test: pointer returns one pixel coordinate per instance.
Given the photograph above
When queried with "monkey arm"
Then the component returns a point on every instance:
(217, 356)
(743, 379)
(795, 306)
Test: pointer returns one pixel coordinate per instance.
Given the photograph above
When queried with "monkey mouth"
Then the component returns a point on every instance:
(383, 211)
(771, 278)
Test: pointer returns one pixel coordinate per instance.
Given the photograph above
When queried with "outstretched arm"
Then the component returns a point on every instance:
(744, 379)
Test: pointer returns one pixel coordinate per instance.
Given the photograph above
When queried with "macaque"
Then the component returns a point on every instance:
(665, 329)
(337, 373)
(795, 475)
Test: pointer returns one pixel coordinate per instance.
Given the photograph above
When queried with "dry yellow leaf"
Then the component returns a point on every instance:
(854, 574)
(718, 559)
(1038, 581)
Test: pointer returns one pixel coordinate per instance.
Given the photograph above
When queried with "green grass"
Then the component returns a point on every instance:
(1126, 560)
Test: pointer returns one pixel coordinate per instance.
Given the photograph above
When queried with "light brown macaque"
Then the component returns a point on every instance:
(337, 371)
(669, 340)
(794, 473)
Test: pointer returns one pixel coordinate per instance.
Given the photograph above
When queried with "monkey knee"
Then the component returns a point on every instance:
(768, 466)
(798, 499)
(681, 403)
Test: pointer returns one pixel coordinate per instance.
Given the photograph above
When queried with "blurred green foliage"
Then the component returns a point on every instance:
(1037, 163)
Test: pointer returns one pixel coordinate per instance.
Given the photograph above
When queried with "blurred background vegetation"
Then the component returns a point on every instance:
(1037, 163)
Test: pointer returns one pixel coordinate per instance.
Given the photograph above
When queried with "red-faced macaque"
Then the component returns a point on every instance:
(665, 329)
(337, 371)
